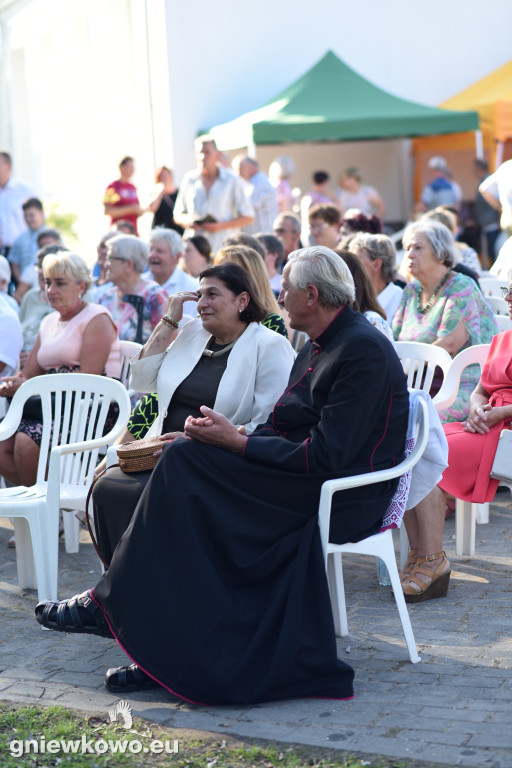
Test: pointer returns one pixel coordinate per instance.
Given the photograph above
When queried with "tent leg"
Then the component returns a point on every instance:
(479, 145)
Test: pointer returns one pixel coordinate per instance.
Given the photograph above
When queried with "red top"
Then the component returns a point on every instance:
(471, 455)
(121, 193)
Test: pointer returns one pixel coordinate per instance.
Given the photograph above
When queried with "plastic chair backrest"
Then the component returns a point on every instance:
(419, 362)
(504, 323)
(128, 350)
(498, 305)
(75, 407)
(491, 286)
(448, 392)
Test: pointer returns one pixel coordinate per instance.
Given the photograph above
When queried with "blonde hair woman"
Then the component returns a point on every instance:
(250, 260)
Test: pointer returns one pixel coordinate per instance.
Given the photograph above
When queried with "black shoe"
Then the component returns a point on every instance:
(128, 679)
(79, 614)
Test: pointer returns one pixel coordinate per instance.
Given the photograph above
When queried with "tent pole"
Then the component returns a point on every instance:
(498, 159)
(479, 144)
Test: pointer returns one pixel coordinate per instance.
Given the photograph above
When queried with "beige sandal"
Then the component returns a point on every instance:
(411, 562)
(436, 584)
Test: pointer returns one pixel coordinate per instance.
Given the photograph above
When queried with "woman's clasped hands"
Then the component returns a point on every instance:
(482, 418)
(215, 429)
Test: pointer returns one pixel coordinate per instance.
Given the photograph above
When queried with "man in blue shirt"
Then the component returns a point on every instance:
(23, 251)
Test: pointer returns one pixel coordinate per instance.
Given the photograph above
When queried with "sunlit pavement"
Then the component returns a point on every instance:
(454, 707)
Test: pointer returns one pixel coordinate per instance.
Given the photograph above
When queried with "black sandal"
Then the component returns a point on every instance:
(128, 679)
(79, 614)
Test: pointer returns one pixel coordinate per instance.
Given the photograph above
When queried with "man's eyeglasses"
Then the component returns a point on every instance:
(505, 292)
(115, 258)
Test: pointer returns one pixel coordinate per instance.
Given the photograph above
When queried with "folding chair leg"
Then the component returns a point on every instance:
(465, 524)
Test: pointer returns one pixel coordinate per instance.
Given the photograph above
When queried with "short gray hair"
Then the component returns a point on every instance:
(323, 268)
(171, 237)
(130, 247)
(440, 238)
(294, 220)
(377, 247)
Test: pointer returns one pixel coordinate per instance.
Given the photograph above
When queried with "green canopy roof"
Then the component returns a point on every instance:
(331, 102)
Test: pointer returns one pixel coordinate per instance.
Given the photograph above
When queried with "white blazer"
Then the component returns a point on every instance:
(256, 374)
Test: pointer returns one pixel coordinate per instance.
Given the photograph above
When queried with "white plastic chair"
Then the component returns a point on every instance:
(503, 322)
(419, 362)
(79, 402)
(498, 305)
(128, 350)
(491, 286)
(467, 514)
(378, 545)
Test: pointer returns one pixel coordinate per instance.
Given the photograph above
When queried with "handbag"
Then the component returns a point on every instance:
(502, 465)
(137, 456)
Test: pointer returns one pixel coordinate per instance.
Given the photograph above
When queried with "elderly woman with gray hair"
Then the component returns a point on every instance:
(440, 306)
(378, 256)
(135, 304)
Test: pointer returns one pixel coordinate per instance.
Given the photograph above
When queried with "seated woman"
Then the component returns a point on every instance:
(197, 254)
(250, 260)
(136, 304)
(76, 337)
(225, 359)
(471, 448)
(218, 590)
(378, 256)
(145, 410)
(366, 301)
(442, 307)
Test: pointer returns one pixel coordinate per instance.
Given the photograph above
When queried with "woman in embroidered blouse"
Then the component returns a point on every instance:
(77, 337)
(440, 306)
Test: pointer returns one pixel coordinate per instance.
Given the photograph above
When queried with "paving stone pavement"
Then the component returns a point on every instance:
(453, 708)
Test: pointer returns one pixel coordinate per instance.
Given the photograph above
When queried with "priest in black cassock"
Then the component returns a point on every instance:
(217, 591)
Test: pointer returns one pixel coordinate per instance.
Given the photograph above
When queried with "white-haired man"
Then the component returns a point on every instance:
(212, 200)
(165, 250)
(225, 535)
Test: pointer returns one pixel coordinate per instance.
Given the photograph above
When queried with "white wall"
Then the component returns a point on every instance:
(85, 91)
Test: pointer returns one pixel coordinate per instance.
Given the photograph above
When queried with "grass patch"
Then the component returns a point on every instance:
(195, 749)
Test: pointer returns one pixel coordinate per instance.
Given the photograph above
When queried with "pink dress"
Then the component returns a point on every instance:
(61, 341)
(470, 456)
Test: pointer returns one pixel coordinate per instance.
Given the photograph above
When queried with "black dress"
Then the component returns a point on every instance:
(218, 588)
(164, 215)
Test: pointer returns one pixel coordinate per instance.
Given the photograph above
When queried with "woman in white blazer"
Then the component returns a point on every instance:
(225, 359)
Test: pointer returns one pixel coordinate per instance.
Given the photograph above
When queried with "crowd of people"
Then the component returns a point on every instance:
(268, 365)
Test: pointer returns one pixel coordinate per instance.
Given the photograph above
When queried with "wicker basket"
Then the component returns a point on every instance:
(137, 456)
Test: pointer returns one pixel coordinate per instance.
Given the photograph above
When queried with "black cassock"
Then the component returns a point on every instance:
(218, 587)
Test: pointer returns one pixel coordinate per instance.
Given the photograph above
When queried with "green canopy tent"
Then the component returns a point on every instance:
(332, 103)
